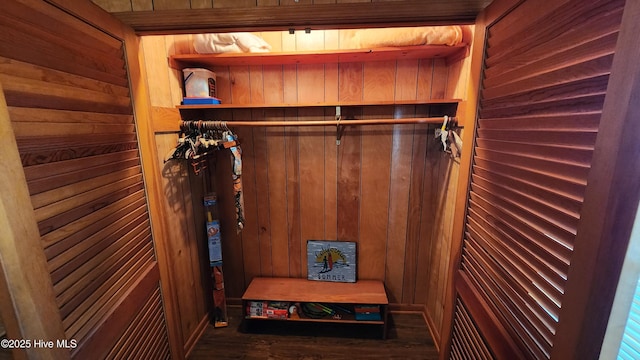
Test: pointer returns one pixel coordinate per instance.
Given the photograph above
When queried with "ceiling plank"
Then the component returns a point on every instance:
(302, 16)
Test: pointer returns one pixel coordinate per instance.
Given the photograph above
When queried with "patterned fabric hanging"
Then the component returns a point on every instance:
(236, 161)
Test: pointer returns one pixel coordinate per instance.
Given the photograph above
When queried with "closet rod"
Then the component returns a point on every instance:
(213, 125)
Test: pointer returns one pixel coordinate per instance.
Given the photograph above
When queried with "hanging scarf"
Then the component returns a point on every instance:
(236, 161)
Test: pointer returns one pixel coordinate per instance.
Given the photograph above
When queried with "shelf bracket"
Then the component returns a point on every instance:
(339, 128)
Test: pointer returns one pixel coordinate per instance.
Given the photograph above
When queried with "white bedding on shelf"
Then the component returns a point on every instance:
(240, 42)
(404, 36)
(229, 43)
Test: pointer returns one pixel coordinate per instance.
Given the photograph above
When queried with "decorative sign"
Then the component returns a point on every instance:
(331, 261)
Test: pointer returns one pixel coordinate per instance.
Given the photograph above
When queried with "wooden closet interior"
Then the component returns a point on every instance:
(502, 250)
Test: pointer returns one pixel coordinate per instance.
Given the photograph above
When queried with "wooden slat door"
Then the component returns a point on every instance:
(546, 72)
(68, 98)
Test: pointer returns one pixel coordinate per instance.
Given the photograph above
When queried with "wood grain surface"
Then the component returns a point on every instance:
(384, 187)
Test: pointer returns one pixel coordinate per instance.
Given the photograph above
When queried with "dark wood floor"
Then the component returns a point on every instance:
(408, 339)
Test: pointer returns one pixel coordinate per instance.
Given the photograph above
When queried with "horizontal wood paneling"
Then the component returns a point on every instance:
(246, 15)
(137, 5)
(71, 111)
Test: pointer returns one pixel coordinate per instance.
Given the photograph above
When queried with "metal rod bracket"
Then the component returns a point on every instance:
(339, 128)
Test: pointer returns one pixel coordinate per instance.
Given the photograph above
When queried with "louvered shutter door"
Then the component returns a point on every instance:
(542, 94)
(468, 342)
(68, 98)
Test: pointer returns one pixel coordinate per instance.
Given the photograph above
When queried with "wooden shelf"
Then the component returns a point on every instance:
(451, 53)
(303, 290)
(293, 290)
(332, 104)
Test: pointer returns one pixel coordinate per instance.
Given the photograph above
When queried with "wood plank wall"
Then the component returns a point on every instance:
(142, 5)
(69, 103)
(183, 193)
(187, 244)
(389, 188)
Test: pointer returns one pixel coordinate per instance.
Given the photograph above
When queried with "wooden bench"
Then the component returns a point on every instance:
(333, 295)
